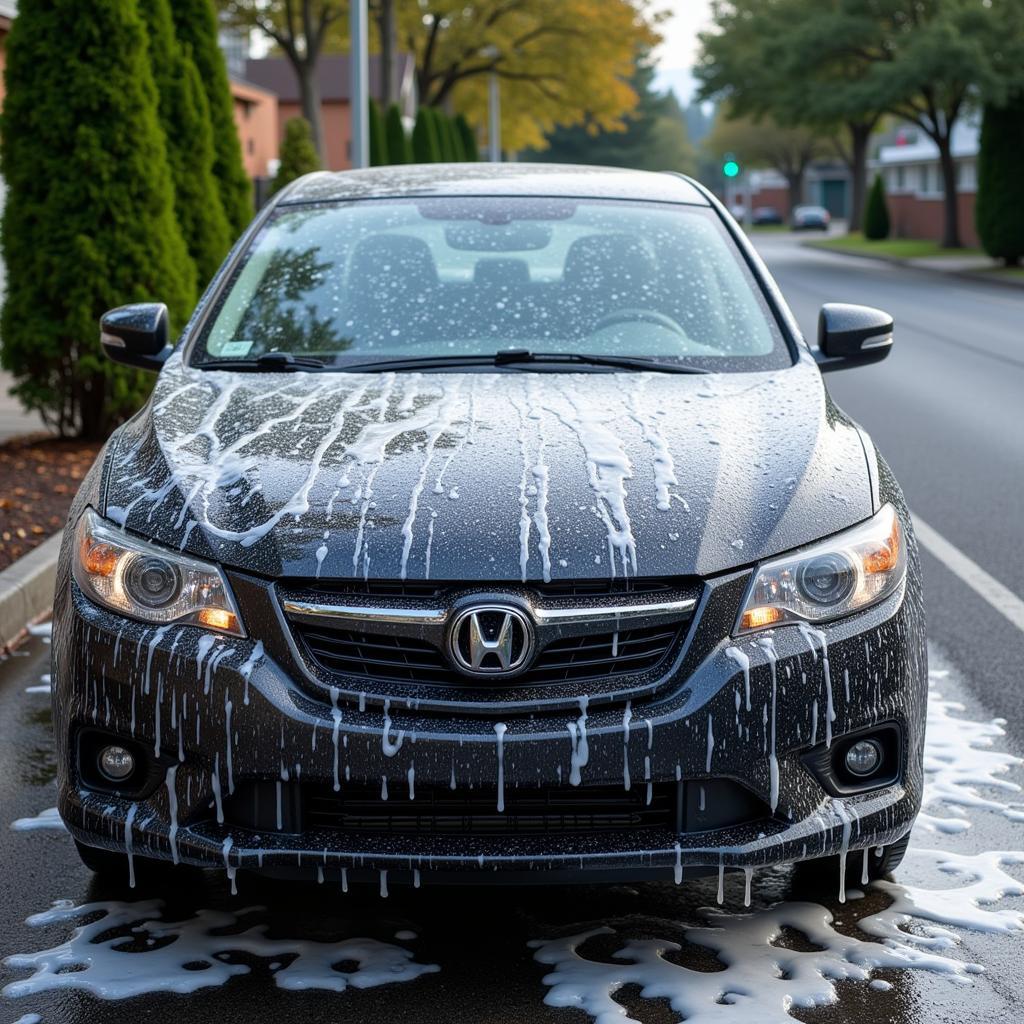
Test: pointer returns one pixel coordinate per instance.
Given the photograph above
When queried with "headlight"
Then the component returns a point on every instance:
(147, 582)
(831, 579)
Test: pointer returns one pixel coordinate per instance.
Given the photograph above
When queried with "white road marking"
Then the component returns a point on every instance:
(1004, 600)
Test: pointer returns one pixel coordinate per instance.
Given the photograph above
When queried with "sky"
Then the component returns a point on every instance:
(678, 52)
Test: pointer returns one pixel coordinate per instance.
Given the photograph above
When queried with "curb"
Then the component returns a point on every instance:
(895, 261)
(26, 590)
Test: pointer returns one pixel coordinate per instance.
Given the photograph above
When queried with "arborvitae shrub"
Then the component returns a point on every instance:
(185, 118)
(876, 214)
(425, 148)
(195, 22)
(999, 206)
(89, 219)
(399, 151)
(298, 154)
(468, 136)
(378, 142)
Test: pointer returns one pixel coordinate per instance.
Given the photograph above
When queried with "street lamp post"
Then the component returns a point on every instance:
(494, 117)
(492, 53)
(360, 91)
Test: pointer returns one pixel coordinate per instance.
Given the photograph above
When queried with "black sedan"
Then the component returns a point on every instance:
(490, 523)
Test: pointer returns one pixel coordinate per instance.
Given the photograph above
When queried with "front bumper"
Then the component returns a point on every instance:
(220, 714)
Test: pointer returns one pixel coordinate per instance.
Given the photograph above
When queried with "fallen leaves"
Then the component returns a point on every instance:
(38, 480)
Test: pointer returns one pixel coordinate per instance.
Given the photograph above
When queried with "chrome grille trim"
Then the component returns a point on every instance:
(313, 612)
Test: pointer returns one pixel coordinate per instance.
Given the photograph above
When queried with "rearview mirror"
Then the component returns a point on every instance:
(851, 336)
(136, 335)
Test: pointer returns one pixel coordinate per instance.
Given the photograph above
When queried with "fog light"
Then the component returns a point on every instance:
(863, 758)
(115, 763)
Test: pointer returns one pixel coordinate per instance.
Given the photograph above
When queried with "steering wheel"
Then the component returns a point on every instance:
(650, 316)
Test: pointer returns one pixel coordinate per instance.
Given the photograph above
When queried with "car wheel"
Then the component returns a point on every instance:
(824, 872)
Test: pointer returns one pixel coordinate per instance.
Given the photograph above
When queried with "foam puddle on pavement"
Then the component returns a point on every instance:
(760, 979)
(121, 949)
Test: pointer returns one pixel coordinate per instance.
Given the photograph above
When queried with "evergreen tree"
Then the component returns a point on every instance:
(454, 139)
(399, 151)
(89, 218)
(298, 154)
(195, 23)
(468, 136)
(185, 118)
(378, 141)
(425, 148)
(876, 213)
(444, 146)
(999, 207)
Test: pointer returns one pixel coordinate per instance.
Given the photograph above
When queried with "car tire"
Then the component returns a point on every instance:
(824, 871)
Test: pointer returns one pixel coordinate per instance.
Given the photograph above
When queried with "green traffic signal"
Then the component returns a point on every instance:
(731, 169)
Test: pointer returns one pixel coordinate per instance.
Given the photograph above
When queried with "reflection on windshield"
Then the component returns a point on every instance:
(434, 277)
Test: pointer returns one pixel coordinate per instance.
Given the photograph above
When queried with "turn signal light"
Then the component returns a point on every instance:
(885, 557)
(218, 618)
(757, 618)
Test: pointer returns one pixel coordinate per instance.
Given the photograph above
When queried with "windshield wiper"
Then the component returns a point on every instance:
(268, 362)
(522, 357)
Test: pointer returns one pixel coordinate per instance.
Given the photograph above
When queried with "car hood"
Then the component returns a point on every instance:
(497, 476)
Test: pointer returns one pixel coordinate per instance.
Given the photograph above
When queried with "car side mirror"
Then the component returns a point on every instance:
(851, 336)
(136, 335)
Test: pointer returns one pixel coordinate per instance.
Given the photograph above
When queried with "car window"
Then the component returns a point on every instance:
(451, 276)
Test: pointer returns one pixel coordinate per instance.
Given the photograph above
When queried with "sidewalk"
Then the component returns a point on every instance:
(13, 419)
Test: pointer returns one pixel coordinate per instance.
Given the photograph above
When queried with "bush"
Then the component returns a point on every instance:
(298, 154)
(378, 142)
(185, 118)
(468, 136)
(999, 207)
(89, 218)
(195, 22)
(876, 214)
(399, 151)
(425, 146)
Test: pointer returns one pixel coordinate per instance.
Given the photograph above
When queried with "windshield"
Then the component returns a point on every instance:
(357, 282)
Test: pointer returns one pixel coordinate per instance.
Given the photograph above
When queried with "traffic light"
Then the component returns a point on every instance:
(730, 166)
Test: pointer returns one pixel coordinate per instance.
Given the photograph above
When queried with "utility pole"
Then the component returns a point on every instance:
(494, 116)
(360, 90)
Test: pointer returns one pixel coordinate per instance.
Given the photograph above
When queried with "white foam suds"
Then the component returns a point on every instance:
(97, 959)
(762, 977)
(50, 818)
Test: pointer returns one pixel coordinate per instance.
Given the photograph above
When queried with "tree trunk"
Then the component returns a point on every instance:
(309, 93)
(860, 135)
(795, 181)
(951, 211)
(388, 26)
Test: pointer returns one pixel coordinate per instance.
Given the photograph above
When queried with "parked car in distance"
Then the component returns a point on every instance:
(490, 523)
(810, 218)
(764, 216)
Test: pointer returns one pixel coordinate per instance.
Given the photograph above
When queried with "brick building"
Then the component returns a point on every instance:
(909, 164)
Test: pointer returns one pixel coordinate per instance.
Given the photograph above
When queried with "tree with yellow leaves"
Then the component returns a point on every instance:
(559, 62)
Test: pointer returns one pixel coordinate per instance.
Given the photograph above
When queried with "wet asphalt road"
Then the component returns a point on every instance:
(942, 409)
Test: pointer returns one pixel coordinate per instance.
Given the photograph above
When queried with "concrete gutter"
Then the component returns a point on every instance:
(26, 590)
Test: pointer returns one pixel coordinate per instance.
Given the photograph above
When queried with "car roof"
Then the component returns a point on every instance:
(487, 179)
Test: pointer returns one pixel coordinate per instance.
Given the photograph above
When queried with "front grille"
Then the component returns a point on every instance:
(688, 806)
(527, 811)
(406, 659)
